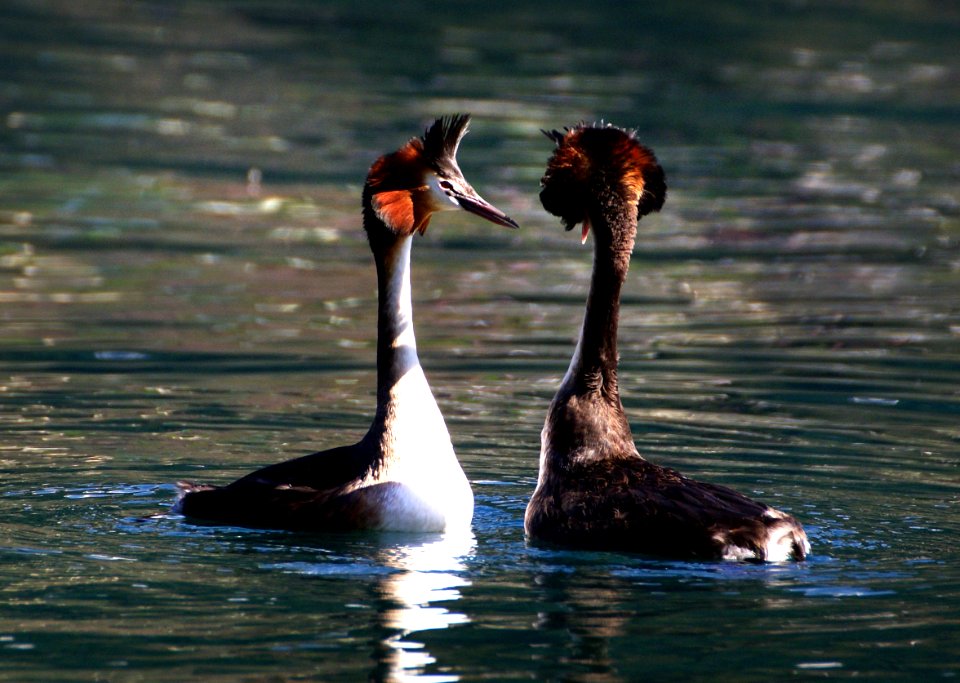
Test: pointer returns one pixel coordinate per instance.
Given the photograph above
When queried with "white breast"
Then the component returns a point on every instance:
(434, 494)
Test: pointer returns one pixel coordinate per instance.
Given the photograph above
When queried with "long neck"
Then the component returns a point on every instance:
(586, 421)
(396, 343)
(407, 414)
(594, 364)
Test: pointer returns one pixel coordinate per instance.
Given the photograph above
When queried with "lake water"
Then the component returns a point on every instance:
(185, 292)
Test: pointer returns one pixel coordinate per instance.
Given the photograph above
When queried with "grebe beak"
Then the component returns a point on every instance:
(584, 228)
(476, 204)
(451, 190)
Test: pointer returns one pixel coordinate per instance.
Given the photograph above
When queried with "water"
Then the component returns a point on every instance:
(185, 293)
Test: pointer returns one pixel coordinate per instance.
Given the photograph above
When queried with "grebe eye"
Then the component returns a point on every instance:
(446, 185)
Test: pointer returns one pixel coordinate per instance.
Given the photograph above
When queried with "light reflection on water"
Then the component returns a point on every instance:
(185, 293)
(419, 582)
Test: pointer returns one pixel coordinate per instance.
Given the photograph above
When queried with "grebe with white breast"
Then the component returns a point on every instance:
(403, 474)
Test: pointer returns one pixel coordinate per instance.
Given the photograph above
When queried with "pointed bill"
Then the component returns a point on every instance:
(475, 204)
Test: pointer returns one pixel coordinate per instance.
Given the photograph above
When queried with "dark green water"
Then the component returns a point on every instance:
(791, 328)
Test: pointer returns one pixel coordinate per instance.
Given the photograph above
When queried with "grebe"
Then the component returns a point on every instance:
(594, 490)
(403, 474)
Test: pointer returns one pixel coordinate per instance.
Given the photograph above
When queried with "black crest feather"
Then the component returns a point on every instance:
(441, 140)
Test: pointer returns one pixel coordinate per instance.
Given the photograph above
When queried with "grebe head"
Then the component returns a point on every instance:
(405, 188)
(589, 162)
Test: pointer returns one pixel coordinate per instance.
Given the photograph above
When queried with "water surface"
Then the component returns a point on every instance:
(185, 292)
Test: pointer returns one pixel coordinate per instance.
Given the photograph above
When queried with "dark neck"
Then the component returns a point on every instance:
(586, 421)
(593, 368)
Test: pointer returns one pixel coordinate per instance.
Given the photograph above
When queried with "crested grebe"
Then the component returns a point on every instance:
(403, 474)
(594, 489)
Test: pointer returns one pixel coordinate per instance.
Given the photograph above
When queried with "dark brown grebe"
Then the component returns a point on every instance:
(594, 489)
(403, 474)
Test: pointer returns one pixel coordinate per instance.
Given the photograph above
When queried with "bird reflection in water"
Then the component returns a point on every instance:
(416, 598)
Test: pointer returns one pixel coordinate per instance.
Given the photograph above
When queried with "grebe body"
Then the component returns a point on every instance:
(594, 489)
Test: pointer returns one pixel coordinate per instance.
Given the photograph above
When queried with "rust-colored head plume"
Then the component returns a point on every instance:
(406, 187)
(591, 160)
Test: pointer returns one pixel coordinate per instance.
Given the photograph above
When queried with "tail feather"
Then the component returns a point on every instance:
(185, 488)
(787, 541)
(776, 537)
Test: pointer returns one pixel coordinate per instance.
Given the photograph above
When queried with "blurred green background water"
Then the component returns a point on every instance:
(185, 292)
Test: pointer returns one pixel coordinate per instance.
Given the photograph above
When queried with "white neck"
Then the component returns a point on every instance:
(396, 314)
(407, 413)
(408, 432)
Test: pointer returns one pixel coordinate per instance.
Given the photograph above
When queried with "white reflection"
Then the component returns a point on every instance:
(429, 573)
